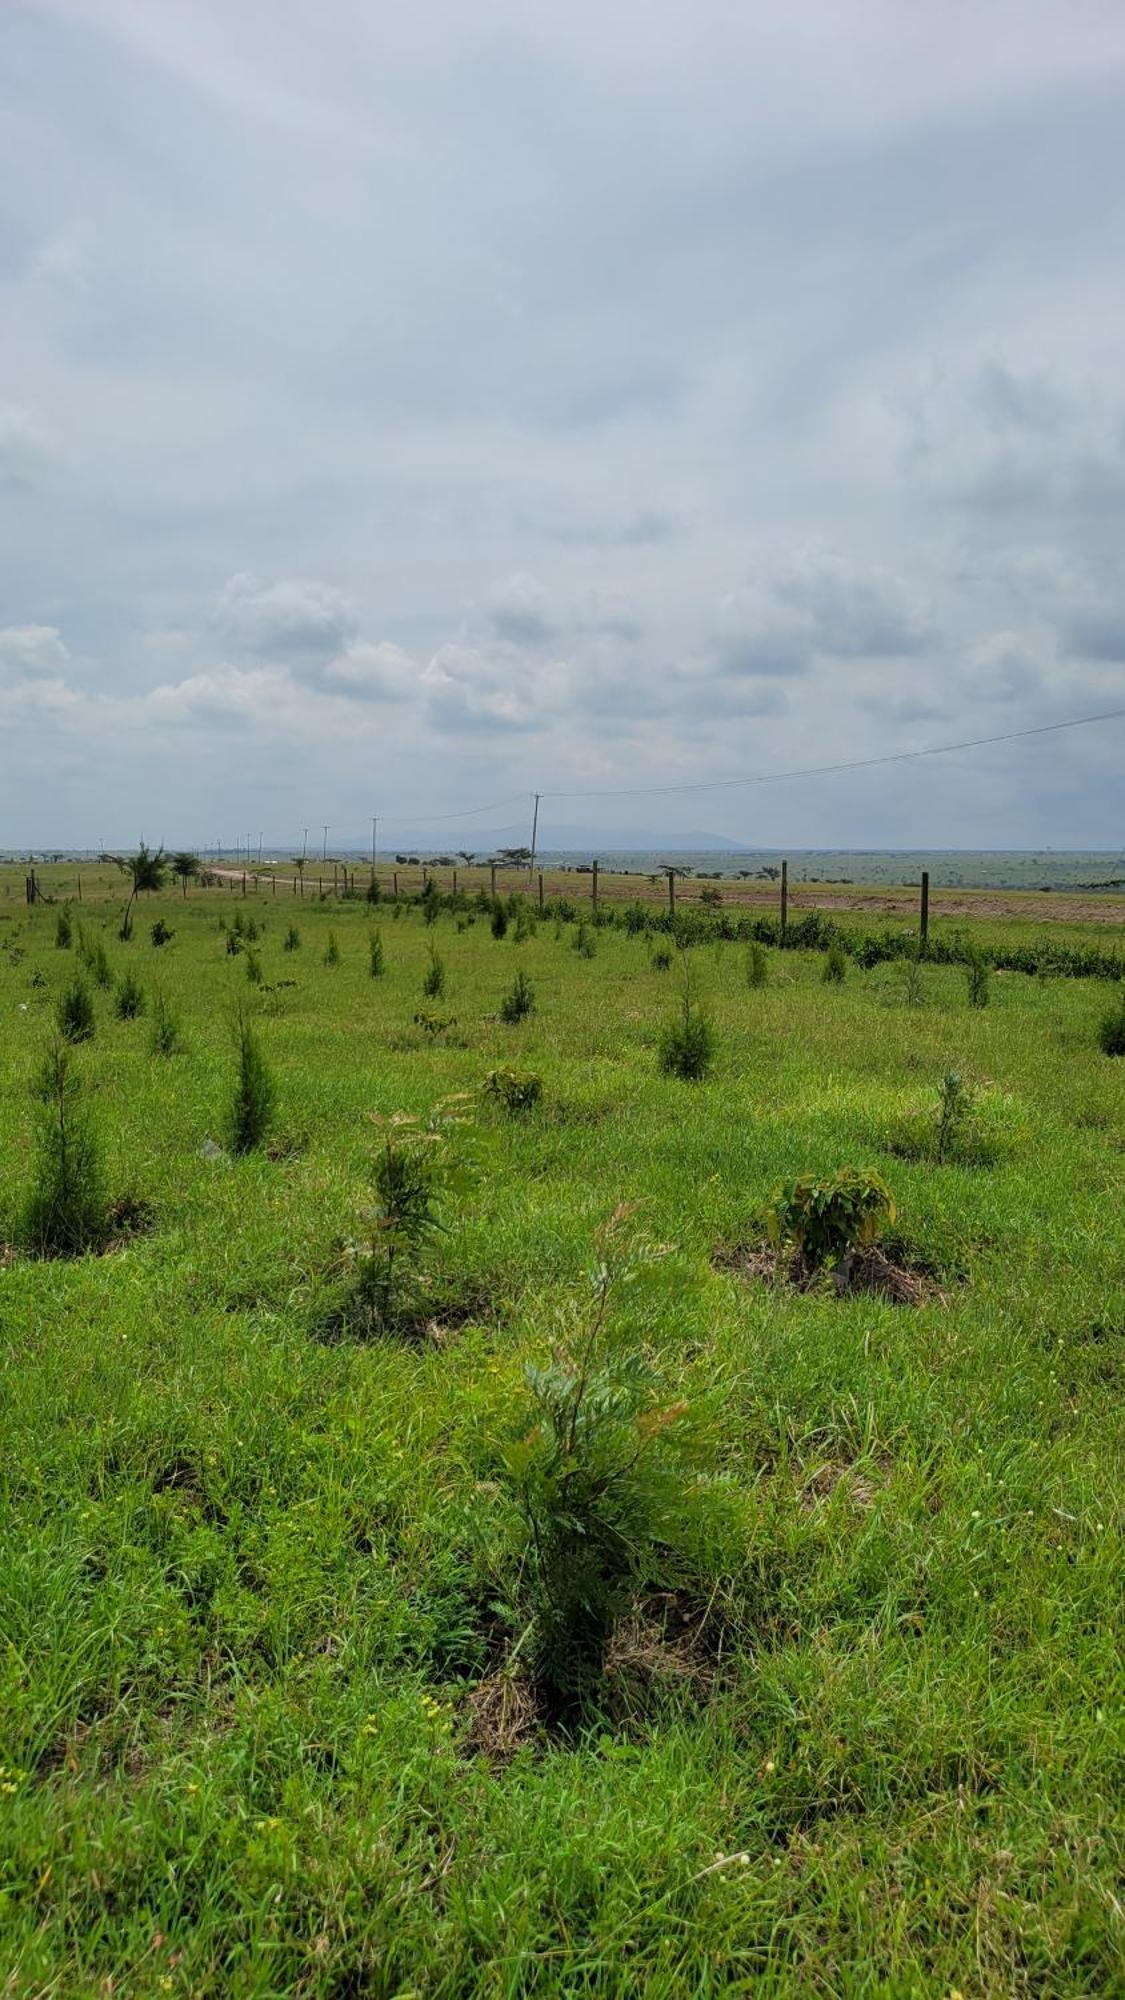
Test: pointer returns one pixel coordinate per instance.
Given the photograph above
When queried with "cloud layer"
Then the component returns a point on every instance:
(404, 409)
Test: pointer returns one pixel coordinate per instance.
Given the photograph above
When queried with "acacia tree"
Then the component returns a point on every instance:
(186, 867)
(147, 871)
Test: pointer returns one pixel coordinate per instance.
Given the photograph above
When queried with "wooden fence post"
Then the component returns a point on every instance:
(541, 892)
(671, 874)
(924, 912)
(455, 881)
(492, 877)
(594, 887)
(394, 883)
(244, 881)
(784, 899)
(80, 888)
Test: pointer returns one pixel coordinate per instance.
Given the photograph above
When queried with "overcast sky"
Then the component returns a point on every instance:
(406, 407)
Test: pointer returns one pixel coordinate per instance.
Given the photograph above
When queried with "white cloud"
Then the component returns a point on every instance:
(32, 652)
(296, 618)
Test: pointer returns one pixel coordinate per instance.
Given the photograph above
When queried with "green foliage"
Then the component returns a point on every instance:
(433, 979)
(66, 1211)
(332, 950)
(600, 1477)
(584, 942)
(129, 1000)
(376, 957)
(63, 930)
(913, 985)
(826, 1219)
(517, 1090)
(835, 967)
(253, 968)
(687, 1043)
(525, 923)
(185, 867)
(374, 892)
(165, 1038)
(75, 1012)
(147, 871)
(499, 925)
(757, 966)
(977, 979)
(662, 959)
(519, 1001)
(235, 943)
(160, 933)
(1111, 1028)
(251, 1109)
(292, 939)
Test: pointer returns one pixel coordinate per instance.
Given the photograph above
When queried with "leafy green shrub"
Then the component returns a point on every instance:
(66, 1211)
(292, 939)
(977, 977)
(160, 933)
(686, 1047)
(235, 942)
(662, 959)
(374, 892)
(826, 1220)
(601, 1479)
(584, 943)
(711, 895)
(1111, 1029)
(517, 1090)
(376, 963)
(251, 1109)
(835, 967)
(63, 930)
(130, 998)
(75, 1012)
(519, 1001)
(434, 1025)
(757, 966)
(332, 950)
(499, 919)
(433, 981)
(165, 1038)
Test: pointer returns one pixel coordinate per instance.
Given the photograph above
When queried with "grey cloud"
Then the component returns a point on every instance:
(32, 652)
(296, 618)
(27, 451)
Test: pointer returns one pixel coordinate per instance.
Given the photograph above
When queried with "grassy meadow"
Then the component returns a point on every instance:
(266, 1725)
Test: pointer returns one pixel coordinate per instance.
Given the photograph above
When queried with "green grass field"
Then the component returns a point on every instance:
(254, 1580)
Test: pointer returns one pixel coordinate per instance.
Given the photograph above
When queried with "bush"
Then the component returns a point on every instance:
(517, 1090)
(130, 1000)
(292, 939)
(235, 942)
(757, 966)
(687, 1042)
(253, 968)
(1111, 1030)
(600, 1478)
(376, 963)
(75, 1012)
(519, 1001)
(252, 1105)
(662, 959)
(63, 931)
(373, 892)
(955, 1107)
(66, 1211)
(835, 967)
(827, 1220)
(160, 933)
(584, 943)
(499, 919)
(332, 950)
(165, 1038)
(976, 974)
(433, 982)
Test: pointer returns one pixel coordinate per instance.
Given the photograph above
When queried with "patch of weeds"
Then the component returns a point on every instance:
(63, 930)
(292, 939)
(1111, 1028)
(166, 1038)
(434, 1025)
(835, 967)
(332, 950)
(757, 967)
(661, 960)
(584, 942)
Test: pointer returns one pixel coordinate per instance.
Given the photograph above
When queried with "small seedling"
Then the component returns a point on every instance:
(332, 950)
(517, 1090)
(66, 1211)
(130, 1000)
(63, 931)
(292, 939)
(955, 1107)
(686, 1047)
(584, 943)
(1111, 1029)
(499, 920)
(165, 1038)
(414, 1169)
(75, 1012)
(433, 981)
(519, 1001)
(253, 968)
(825, 1221)
(160, 933)
(976, 974)
(662, 959)
(376, 963)
(252, 1104)
(835, 967)
(757, 966)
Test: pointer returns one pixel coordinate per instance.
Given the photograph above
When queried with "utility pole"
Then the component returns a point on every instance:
(324, 854)
(305, 846)
(259, 850)
(534, 836)
(374, 825)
